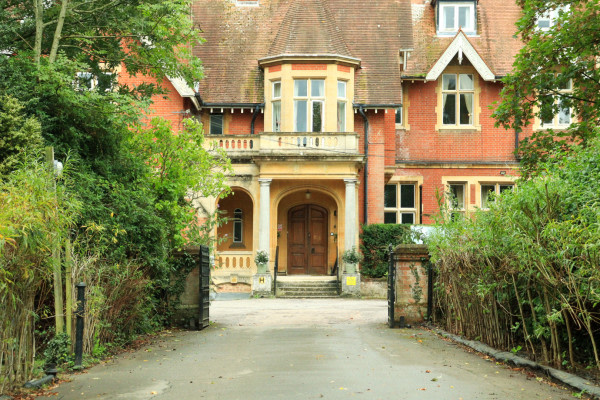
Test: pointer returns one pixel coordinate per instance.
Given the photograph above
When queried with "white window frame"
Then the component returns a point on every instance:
(555, 123)
(443, 29)
(398, 210)
(310, 100)
(342, 99)
(92, 79)
(497, 188)
(85, 77)
(457, 92)
(275, 100)
(551, 16)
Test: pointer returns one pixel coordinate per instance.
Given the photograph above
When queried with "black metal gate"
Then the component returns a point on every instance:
(204, 266)
(391, 293)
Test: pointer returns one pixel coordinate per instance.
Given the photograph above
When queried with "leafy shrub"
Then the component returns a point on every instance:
(375, 240)
(525, 273)
(58, 349)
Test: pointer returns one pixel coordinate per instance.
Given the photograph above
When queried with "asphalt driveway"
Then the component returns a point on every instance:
(303, 349)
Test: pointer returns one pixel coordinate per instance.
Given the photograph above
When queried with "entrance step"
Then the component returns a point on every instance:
(302, 287)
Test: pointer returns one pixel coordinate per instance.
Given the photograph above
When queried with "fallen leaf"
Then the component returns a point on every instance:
(428, 371)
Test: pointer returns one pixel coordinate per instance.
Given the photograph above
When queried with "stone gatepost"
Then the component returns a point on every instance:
(412, 261)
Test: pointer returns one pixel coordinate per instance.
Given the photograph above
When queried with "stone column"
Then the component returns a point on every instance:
(350, 219)
(262, 282)
(264, 219)
(350, 277)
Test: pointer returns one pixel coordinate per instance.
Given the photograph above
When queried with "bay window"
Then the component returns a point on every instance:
(341, 106)
(309, 101)
(276, 103)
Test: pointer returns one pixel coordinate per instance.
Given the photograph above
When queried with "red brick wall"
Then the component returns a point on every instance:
(422, 142)
(239, 123)
(432, 183)
(381, 154)
(170, 106)
(309, 67)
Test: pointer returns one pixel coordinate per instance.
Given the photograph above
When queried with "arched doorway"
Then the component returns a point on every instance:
(307, 240)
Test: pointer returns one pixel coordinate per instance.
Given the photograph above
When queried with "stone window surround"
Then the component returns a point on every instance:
(440, 126)
(473, 183)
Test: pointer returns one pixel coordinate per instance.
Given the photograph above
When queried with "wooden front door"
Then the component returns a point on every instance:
(307, 240)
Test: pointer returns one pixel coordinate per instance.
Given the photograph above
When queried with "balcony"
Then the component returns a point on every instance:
(286, 144)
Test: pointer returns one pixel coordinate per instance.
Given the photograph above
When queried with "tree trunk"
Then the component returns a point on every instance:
(39, 29)
(58, 31)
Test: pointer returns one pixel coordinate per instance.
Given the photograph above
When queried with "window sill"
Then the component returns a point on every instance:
(553, 127)
(459, 129)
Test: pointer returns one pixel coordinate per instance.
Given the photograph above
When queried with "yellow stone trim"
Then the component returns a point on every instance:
(477, 181)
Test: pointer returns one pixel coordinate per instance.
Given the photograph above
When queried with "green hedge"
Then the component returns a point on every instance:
(375, 240)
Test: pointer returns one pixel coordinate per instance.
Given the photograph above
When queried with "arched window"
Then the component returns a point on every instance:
(238, 227)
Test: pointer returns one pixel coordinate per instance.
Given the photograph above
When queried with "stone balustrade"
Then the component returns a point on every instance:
(286, 143)
(234, 260)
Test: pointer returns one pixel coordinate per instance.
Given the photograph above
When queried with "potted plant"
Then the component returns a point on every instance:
(262, 258)
(351, 256)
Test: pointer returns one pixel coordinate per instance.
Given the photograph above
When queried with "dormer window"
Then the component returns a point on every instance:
(455, 15)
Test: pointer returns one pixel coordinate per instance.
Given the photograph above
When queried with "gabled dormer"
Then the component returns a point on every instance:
(454, 15)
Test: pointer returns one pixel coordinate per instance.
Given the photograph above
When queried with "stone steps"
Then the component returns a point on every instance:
(302, 289)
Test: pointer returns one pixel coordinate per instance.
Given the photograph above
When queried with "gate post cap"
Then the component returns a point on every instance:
(81, 284)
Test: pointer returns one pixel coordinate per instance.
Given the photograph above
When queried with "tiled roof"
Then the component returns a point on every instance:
(496, 42)
(308, 28)
(237, 37)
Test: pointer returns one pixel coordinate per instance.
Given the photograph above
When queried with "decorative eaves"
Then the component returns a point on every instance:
(184, 90)
(461, 47)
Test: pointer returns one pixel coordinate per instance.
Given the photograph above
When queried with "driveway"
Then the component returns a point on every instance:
(303, 349)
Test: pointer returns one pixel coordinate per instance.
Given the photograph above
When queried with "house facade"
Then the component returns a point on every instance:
(336, 115)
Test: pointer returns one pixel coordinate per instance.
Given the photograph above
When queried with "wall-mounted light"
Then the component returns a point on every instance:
(307, 195)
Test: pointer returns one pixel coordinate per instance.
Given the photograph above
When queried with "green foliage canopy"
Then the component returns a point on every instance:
(19, 136)
(549, 60)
